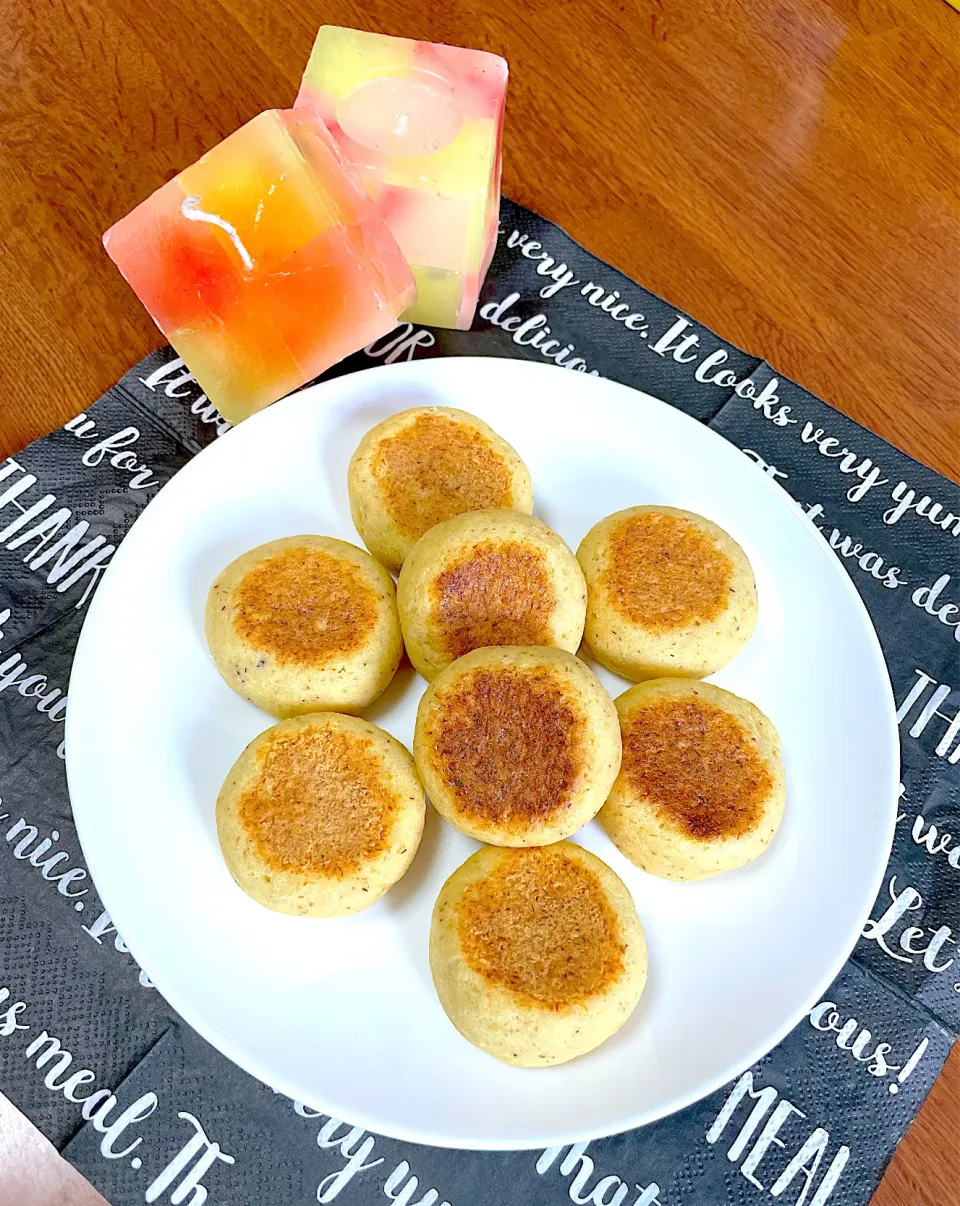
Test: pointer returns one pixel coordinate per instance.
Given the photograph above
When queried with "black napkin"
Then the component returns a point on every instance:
(149, 1112)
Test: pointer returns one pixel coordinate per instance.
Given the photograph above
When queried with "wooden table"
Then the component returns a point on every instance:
(787, 171)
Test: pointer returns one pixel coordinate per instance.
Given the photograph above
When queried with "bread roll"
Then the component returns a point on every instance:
(488, 578)
(537, 955)
(669, 593)
(423, 466)
(320, 815)
(701, 787)
(517, 747)
(305, 624)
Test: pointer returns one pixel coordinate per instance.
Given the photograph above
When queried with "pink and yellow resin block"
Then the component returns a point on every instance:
(421, 124)
(264, 263)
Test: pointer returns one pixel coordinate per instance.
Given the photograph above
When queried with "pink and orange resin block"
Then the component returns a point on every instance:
(421, 124)
(264, 263)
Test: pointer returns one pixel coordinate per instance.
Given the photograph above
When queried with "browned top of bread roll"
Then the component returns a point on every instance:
(515, 927)
(513, 574)
(304, 605)
(438, 467)
(320, 804)
(697, 764)
(663, 572)
(508, 742)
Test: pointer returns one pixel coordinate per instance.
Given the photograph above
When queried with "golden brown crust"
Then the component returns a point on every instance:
(669, 594)
(320, 815)
(663, 572)
(540, 925)
(701, 788)
(320, 804)
(425, 466)
(697, 765)
(508, 743)
(513, 573)
(538, 955)
(438, 467)
(517, 746)
(304, 624)
(304, 606)
(488, 579)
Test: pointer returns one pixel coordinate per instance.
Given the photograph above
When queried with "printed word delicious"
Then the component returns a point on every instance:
(533, 332)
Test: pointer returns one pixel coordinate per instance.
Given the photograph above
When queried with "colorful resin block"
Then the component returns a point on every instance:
(421, 124)
(264, 263)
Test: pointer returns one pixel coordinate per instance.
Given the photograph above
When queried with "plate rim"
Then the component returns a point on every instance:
(226, 1046)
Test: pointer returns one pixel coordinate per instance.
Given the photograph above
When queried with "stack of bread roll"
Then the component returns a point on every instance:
(536, 948)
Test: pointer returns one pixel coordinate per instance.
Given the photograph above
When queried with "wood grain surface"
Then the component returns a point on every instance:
(787, 171)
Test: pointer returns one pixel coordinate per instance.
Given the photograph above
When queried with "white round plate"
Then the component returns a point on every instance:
(342, 1015)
